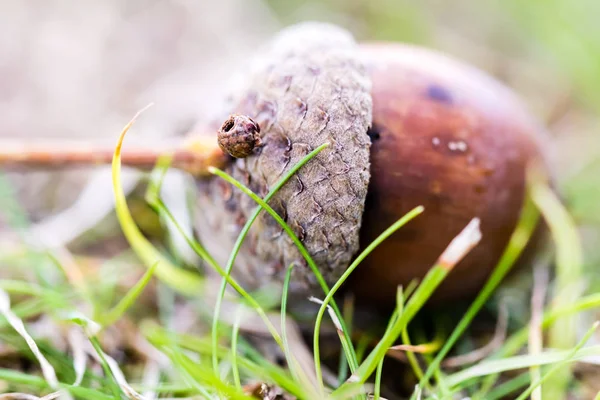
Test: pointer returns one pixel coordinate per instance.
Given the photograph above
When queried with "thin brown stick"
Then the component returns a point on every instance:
(194, 154)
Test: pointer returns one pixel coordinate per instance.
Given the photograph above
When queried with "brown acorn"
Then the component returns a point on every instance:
(442, 135)
(448, 137)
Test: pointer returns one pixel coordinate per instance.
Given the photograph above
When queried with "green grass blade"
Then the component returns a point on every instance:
(262, 204)
(114, 386)
(431, 281)
(412, 359)
(558, 366)
(459, 247)
(388, 232)
(568, 282)
(519, 362)
(130, 297)
(17, 324)
(12, 376)
(286, 348)
(249, 359)
(203, 376)
(518, 339)
(246, 228)
(348, 314)
(180, 280)
(91, 328)
(180, 363)
(378, 371)
(503, 390)
(26, 288)
(296, 371)
(153, 198)
(519, 239)
(365, 341)
(235, 333)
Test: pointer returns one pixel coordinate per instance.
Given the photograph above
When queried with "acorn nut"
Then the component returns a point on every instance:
(406, 127)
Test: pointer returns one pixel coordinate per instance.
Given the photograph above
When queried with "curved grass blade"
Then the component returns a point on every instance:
(286, 348)
(180, 280)
(262, 204)
(568, 284)
(388, 232)
(155, 201)
(152, 196)
(17, 324)
(400, 295)
(130, 297)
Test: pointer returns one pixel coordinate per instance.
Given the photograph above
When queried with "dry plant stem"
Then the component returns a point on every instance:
(535, 331)
(194, 154)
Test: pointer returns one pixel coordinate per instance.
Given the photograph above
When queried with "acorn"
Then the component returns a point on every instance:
(405, 127)
(449, 137)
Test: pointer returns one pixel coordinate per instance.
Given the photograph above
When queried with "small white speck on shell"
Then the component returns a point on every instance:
(459, 146)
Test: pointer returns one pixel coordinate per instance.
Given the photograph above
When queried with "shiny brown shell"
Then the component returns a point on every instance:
(450, 138)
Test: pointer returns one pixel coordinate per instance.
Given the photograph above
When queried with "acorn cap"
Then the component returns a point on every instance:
(307, 87)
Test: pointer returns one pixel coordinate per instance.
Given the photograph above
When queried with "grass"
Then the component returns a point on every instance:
(224, 362)
(329, 296)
